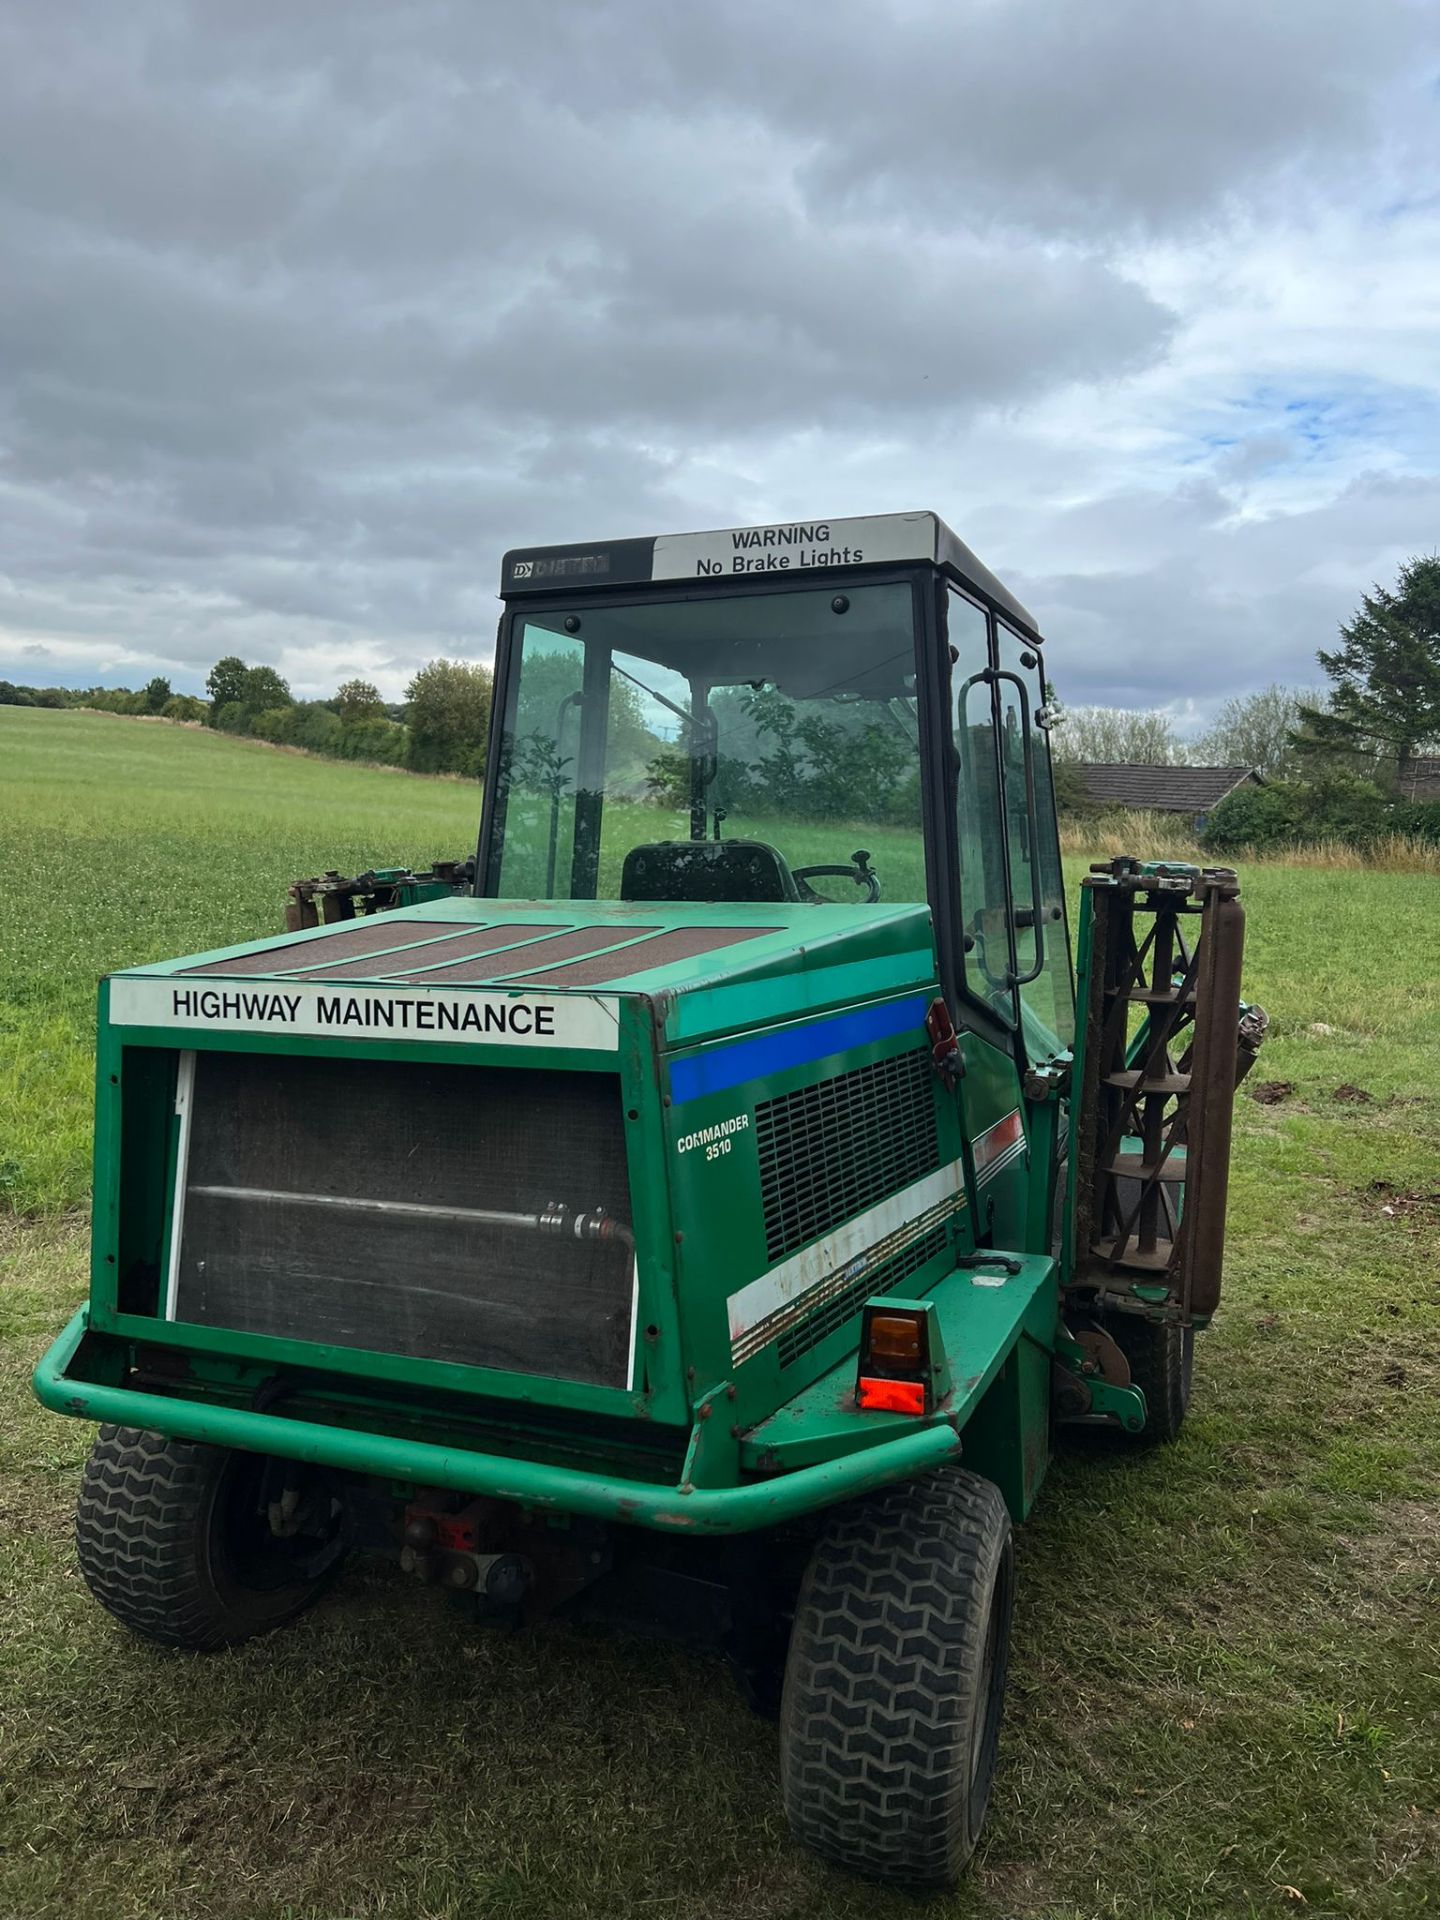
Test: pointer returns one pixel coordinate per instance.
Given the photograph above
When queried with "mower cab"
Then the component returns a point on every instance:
(719, 1155)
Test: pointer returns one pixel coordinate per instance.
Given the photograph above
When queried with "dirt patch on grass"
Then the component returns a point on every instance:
(1352, 1096)
(1401, 1549)
(1416, 1208)
(1269, 1093)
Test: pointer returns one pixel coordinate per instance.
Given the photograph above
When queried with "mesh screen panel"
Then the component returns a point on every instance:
(830, 1150)
(273, 1139)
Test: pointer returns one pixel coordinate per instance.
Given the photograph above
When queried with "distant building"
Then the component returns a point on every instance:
(1418, 778)
(1192, 791)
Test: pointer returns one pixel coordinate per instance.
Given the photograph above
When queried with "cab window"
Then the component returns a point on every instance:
(1011, 889)
(1042, 945)
(984, 894)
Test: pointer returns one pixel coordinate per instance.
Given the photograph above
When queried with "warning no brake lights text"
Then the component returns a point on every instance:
(764, 550)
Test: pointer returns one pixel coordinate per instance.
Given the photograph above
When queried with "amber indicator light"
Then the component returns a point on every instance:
(896, 1340)
(894, 1371)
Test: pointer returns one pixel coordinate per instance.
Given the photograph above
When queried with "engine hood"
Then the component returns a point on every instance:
(707, 969)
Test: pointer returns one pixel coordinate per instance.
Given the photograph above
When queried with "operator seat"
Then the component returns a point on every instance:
(707, 871)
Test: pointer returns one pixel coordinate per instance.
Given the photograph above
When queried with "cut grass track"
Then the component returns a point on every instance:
(1225, 1694)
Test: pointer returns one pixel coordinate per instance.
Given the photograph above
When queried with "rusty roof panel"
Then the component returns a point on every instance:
(412, 961)
(683, 943)
(564, 946)
(290, 956)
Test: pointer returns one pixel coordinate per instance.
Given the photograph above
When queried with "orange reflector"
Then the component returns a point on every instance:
(892, 1396)
(895, 1339)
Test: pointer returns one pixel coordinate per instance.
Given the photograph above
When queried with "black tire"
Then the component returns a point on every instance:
(174, 1541)
(896, 1677)
(1162, 1365)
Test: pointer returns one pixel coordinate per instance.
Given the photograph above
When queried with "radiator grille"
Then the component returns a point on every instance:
(828, 1151)
(345, 1202)
(844, 1305)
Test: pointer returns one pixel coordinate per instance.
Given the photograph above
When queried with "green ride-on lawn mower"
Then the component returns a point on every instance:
(678, 1214)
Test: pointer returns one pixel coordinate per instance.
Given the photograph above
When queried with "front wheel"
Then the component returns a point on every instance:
(1162, 1365)
(895, 1679)
(197, 1546)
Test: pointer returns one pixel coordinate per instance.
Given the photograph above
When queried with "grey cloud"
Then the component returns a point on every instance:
(308, 312)
(1066, 116)
(1232, 606)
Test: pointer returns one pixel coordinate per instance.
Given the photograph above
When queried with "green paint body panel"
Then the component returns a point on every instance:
(736, 1509)
(985, 1316)
(759, 1434)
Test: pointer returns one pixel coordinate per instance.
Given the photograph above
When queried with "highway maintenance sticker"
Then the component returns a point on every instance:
(589, 1023)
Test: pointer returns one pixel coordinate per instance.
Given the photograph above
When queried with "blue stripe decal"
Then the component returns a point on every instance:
(722, 1067)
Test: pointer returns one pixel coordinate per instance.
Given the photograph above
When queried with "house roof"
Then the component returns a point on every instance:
(1163, 789)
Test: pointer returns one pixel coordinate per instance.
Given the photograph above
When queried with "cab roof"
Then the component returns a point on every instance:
(786, 547)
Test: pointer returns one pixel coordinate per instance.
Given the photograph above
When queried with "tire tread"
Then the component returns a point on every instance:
(887, 1648)
(142, 1527)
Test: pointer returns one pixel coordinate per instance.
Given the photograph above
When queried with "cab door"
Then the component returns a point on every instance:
(1041, 939)
(1015, 961)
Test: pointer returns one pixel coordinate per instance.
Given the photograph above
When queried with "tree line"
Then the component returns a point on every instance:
(1338, 762)
(1379, 713)
(439, 727)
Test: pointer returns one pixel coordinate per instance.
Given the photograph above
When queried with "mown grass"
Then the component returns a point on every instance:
(121, 843)
(1226, 1679)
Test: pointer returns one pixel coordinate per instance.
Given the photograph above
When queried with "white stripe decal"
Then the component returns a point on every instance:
(634, 1323)
(865, 1274)
(184, 1109)
(1006, 1159)
(795, 1277)
(1003, 1138)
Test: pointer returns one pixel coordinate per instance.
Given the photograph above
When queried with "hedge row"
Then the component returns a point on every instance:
(319, 729)
(1289, 813)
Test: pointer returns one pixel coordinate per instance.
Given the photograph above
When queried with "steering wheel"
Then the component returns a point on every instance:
(859, 870)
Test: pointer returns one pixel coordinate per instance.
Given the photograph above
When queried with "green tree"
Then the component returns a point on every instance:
(184, 706)
(448, 714)
(157, 692)
(667, 777)
(633, 719)
(225, 684)
(378, 739)
(263, 690)
(358, 700)
(1257, 730)
(1298, 812)
(1072, 796)
(311, 724)
(1110, 736)
(1385, 698)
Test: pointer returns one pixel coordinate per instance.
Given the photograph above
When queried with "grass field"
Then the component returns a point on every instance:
(1226, 1681)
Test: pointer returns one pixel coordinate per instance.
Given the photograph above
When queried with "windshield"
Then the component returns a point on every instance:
(719, 748)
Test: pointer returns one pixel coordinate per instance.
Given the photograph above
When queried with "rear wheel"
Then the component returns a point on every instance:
(1162, 1365)
(201, 1547)
(895, 1679)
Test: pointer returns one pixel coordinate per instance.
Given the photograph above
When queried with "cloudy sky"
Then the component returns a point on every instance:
(310, 308)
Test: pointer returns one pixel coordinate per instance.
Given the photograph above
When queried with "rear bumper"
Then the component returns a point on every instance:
(745, 1508)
